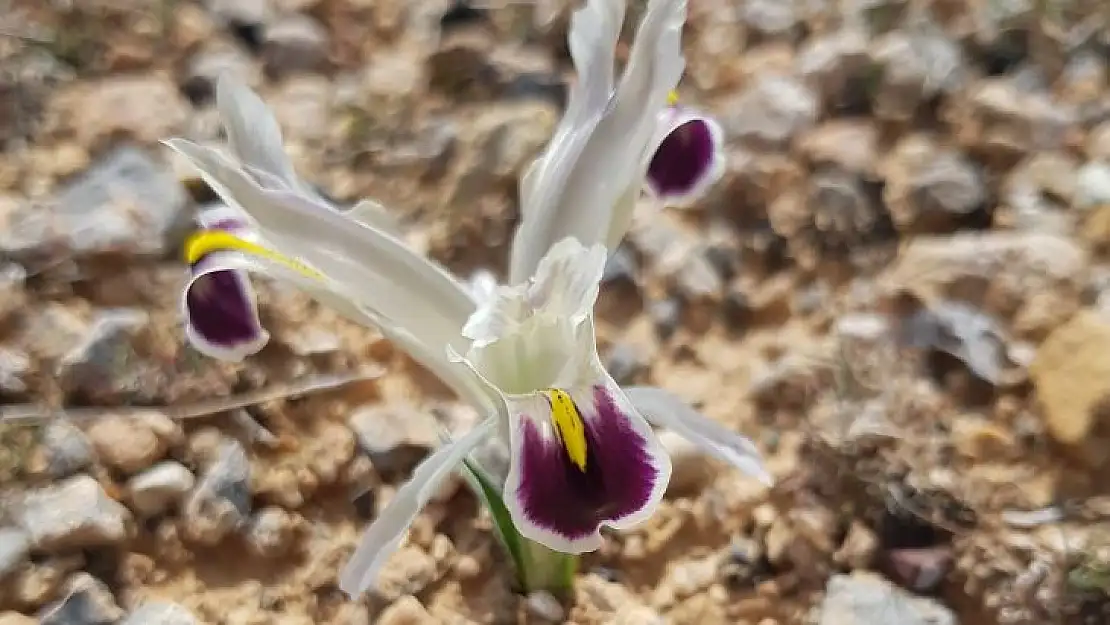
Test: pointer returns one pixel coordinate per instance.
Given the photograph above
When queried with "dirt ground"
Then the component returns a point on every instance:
(900, 290)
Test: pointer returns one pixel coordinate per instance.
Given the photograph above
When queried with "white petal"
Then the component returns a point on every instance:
(386, 532)
(594, 31)
(577, 188)
(664, 409)
(252, 132)
(375, 269)
(567, 280)
(375, 215)
(196, 337)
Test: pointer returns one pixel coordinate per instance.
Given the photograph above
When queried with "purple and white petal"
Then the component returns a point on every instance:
(221, 312)
(689, 157)
(562, 506)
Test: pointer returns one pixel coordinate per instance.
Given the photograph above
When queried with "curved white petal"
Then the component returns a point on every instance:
(374, 268)
(667, 410)
(253, 134)
(386, 532)
(374, 215)
(707, 173)
(565, 286)
(594, 30)
(248, 336)
(576, 188)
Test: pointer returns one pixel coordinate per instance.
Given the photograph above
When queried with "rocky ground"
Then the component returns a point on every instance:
(900, 289)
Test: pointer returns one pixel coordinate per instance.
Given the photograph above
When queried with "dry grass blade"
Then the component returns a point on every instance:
(303, 386)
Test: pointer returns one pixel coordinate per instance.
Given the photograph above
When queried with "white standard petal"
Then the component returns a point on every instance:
(664, 409)
(252, 132)
(387, 531)
(594, 176)
(565, 286)
(593, 35)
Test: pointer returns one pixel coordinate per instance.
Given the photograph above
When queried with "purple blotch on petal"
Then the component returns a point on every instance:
(620, 476)
(220, 308)
(682, 159)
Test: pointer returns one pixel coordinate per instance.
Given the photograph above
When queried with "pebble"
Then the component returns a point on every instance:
(294, 43)
(867, 598)
(15, 548)
(15, 618)
(544, 605)
(666, 315)
(1093, 185)
(270, 532)
(132, 443)
(144, 106)
(160, 487)
(771, 112)
(1071, 375)
(15, 365)
(126, 202)
(73, 514)
(406, 610)
(221, 502)
(691, 469)
(624, 362)
(63, 450)
(395, 436)
(87, 602)
(98, 368)
(160, 613)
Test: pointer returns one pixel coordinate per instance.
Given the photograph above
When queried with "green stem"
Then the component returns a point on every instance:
(548, 570)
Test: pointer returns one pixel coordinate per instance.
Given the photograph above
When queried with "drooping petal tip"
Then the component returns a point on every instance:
(577, 467)
(221, 314)
(688, 159)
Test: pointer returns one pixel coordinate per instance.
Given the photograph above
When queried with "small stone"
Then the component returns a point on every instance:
(395, 437)
(126, 444)
(867, 598)
(208, 64)
(696, 278)
(160, 613)
(920, 570)
(408, 572)
(15, 547)
(691, 469)
(771, 112)
(244, 17)
(545, 607)
(624, 362)
(295, 43)
(14, 366)
(621, 267)
(406, 610)
(221, 502)
(837, 64)
(1093, 185)
(270, 532)
(859, 547)
(125, 203)
(930, 188)
(14, 618)
(1071, 374)
(13, 278)
(1002, 120)
(962, 331)
(87, 602)
(73, 514)
(666, 315)
(914, 67)
(850, 145)
(160, 487)
(64, 450)
(146, 107)
(769, 17)
(979, 439)
(100, 367)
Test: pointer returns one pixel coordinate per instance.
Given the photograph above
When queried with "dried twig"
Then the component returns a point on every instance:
(304, 386)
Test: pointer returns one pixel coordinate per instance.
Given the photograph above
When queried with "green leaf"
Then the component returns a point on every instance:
(502, 521)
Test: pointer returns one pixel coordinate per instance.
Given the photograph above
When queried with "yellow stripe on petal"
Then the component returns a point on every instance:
(204, 242)
(672, 98)
(568, 423)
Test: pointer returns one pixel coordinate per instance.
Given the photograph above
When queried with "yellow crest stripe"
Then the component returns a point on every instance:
(204, 242)
(569, 426)
(672, 98)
